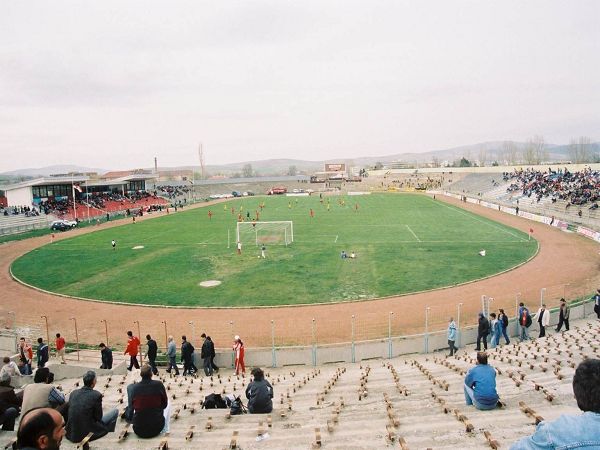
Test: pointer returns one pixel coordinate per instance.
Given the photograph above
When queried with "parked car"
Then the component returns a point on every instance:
(63, 225)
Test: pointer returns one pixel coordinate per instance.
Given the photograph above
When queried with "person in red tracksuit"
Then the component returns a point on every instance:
(238, 348)
(133, 347)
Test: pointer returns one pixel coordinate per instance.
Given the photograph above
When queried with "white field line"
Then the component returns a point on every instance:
(413, 233)
(482, 221)
(336, 238)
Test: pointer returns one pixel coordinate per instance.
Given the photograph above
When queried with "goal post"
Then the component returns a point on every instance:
(265, 232)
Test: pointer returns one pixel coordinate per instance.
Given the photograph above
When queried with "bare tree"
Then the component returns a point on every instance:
(511, 152)
(534, 151)
(482, 156)
(292, 170)
(580, 150)
(247, 171)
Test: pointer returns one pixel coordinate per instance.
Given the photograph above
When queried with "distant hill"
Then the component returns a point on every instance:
(50, 170)
(491, 151)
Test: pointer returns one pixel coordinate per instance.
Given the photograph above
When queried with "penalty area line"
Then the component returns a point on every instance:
(413, 233)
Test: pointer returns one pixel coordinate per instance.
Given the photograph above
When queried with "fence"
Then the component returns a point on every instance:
(335, 339)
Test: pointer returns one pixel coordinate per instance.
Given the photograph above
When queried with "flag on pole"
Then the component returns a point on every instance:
(531, 230)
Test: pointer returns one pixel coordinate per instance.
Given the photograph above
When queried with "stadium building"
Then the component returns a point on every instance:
(63, 187)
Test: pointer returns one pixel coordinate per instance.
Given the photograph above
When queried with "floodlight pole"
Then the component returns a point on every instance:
(517, 323)
(74, 319)
(542, 291)
(314, 342)
(139, 337)
(105, 330)
(353, 348)
(390, 349)
(166, 335)
(274, 356)
(458, 337)
(47, 329)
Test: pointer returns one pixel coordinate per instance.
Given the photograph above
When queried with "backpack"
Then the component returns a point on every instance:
(527, 319)
(237, 407)
(214, 401)
(504, 320)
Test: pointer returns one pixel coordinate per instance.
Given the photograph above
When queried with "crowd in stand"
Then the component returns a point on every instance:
(173, 191)
(26, 211)
(576, 188)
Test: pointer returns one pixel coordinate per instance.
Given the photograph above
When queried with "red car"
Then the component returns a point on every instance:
(277, 191)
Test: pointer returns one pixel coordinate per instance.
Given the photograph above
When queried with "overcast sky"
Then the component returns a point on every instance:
(111, 84)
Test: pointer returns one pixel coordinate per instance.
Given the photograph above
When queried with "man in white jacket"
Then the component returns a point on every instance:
(543, 318)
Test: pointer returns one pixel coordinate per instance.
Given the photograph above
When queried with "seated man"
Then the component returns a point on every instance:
(570, 431)
(85, 412)
(42, 394)
(41, 428)
(9, 370)
(480, 384)
(10, 403)
(148, 400)
(259, 393)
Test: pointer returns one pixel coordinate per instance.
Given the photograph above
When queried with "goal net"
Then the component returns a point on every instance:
(257, 233)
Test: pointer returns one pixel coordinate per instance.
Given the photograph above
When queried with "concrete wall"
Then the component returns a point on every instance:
(19, 197)
(380, 348)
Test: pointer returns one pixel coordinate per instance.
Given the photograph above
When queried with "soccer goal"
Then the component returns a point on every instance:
(273, 232)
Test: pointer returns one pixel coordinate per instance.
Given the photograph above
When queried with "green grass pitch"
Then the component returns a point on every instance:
(403, 242)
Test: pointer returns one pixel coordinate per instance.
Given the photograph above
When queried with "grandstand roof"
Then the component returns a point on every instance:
(43, 181)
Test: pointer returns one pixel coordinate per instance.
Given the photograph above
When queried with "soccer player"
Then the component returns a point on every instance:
(356, 207)
(209, 214)
(114, 244)
(262, 251)
(239, 247)
(312, 213)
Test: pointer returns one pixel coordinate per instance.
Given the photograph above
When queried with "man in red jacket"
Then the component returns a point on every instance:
(133, 346)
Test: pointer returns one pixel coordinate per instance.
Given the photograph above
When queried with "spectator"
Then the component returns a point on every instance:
(10, 404)
(106, 356)
(480, 384)
(172, 355)
(41, 428)
(572, 431)
(483, 330)
(259, 393)
(206, 354)
(42, 353)
(60, 348)
(133, 347)
(563, 315)
(503, 319)
(543, 319)
(187, 357)
(85, 412)
(9, 370)
(496, 328)
(148, 400)
(151, 353)
(42, 394)
(25, 357)
(452, 336)
(238, 349)
(524, 322)
(596, 299)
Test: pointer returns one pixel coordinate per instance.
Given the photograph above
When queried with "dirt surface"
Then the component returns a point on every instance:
(566, 264)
